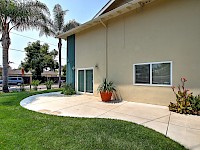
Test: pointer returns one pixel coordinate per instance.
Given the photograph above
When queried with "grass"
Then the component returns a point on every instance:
(24, 129)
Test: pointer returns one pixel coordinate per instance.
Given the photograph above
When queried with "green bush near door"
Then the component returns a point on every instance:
(68, 90)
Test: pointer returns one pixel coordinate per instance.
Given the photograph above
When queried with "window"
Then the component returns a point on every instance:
(13, 78)
(142, 74)
(158, 73)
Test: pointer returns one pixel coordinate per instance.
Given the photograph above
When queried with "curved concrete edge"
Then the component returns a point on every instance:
(33, 98)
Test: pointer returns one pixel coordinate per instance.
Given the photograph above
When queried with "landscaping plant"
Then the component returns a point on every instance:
(48, 84)
(68, 90)
(35, 84)
(186, 102)
(106, 86)
(106, 89)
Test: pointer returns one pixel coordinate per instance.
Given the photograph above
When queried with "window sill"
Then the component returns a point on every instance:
(152, 85)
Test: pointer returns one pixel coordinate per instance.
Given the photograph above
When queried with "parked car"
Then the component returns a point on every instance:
(14, 81)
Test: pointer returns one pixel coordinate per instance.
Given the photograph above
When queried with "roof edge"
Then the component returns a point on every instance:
(104, 8)
(132, 5)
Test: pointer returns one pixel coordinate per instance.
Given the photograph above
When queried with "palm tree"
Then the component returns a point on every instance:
(57, 27)
(70, 25)
(19, 15)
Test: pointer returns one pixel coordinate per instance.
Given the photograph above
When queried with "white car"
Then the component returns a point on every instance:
(14, 81)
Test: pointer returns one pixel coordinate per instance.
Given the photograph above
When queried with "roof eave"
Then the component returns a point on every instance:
(107, 16)
(104, 8)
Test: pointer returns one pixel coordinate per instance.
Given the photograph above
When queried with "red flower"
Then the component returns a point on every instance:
(183, 79)
(173, 87)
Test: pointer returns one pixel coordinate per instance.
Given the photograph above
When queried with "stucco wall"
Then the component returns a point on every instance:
(90, 52)
(166, 30)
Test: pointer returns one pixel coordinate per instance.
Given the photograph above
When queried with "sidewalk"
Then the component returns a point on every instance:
(184, 129)
(27, 87)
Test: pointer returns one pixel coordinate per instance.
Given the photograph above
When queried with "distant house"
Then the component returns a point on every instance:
(50, 74)
(144, 46)
(18, 72)
(28, 75)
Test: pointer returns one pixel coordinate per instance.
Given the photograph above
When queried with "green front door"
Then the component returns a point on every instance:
(85, 80)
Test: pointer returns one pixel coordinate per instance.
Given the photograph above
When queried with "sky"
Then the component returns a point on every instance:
(80, 10)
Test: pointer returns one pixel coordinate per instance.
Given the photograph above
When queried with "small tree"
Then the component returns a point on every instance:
(39, 58)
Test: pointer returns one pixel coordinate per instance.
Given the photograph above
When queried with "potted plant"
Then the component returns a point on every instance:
(48, 84)
(106, 89)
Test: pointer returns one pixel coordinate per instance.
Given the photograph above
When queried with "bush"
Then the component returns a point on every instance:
(68, 90)
(35, 84)
(48, 84)
(186, 103)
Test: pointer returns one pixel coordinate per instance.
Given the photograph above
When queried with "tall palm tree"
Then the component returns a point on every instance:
(19, 15)
(57, 27)
(70, 25)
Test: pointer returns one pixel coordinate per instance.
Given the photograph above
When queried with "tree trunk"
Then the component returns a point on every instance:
(5, 44)
(59, 53)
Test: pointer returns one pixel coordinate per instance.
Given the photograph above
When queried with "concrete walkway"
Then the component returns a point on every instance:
(184, 129)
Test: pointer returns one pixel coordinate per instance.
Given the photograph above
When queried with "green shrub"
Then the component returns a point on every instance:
(186, 103)
(68, 90)
(35, 84)
(48, 84)
(195, 104)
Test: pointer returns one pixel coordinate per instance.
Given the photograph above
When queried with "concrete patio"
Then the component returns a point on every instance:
(184, 129)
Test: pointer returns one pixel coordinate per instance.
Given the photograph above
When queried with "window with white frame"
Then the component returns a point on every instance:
(155, 73)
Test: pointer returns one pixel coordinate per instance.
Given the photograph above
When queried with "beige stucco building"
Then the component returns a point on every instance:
(143, 46)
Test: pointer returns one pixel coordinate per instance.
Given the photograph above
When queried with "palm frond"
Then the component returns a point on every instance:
(25, 14)
(36, 5)
(70, 25)
(59, 15)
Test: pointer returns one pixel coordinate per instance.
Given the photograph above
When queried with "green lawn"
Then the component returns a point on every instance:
(24, 129)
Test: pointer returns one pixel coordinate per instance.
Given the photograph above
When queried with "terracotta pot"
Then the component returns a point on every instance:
(106, 96)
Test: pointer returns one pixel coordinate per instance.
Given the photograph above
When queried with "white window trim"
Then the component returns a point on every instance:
(84, 69)
(151, 63)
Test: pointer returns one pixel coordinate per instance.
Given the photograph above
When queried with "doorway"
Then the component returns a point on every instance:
(85, 80)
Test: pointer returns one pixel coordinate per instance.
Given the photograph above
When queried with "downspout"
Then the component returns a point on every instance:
(106, 46)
